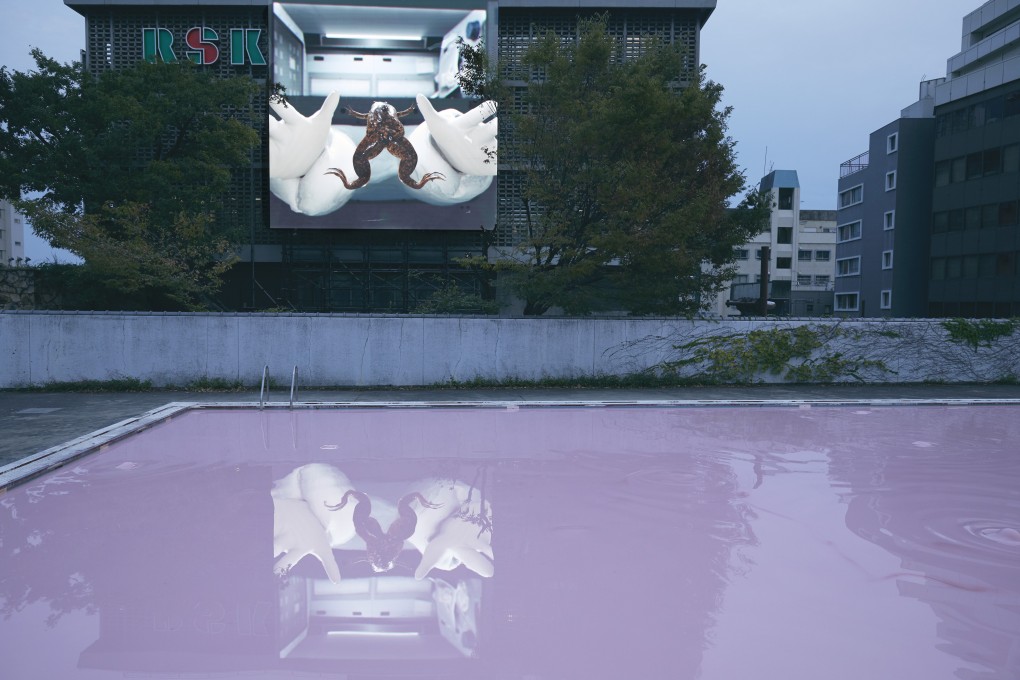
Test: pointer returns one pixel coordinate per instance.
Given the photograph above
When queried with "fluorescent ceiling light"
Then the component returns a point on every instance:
(374, 633)
(372, 36)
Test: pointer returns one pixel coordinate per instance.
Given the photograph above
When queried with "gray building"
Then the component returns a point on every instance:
(883, 217)
(975, 267)
(928, 217)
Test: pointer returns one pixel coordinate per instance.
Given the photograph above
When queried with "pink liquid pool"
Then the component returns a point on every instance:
(856, 542)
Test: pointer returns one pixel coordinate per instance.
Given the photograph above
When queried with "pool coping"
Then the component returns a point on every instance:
(61, 455)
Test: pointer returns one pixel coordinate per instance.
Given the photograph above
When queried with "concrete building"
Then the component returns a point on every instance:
(12, 236)
(974, 269)
(929, 219)
(379, 254)
(883, 214)
(802, 249)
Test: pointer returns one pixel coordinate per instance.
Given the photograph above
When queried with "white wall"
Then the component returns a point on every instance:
(174, 349)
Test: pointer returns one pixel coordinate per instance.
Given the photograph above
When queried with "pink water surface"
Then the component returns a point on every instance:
(724, 543)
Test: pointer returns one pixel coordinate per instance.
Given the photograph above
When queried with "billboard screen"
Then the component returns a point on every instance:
(375, 132)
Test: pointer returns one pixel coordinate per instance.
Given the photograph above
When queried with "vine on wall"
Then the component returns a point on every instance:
(794, 354)
(921, 350)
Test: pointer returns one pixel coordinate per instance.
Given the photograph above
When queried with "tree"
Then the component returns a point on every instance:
(133, 167)
(625, 178)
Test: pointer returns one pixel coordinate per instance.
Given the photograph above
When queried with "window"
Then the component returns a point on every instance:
(940, 222)
(956, 220)
(784, 235)
(974, 165)
(942, 173)
(889, 221)
(803, 255)
(886, 300)
(992, 164)
(892, 143)
(848, 266)
(822, 280)
(1007, 214)
(822, 255)
(958, 169)
(972, 218)
(785, 199)
(990, 215)
(1004, 264)
(890, 180)
(784, 262)
(851, 196)
(1011, 158)
(849, 232)
(954, 267)
(970, 266)
(741, 253)
(886, 259)
(1011, 105)
(741, 278)
(986, 266)
(757, 253)
(846, 302)
(803, 279)
(938, 268)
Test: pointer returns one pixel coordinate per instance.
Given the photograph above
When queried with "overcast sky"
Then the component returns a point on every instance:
(808, 80)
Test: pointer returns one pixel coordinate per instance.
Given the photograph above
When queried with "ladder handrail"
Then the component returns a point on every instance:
(293, 386)
(262, 389)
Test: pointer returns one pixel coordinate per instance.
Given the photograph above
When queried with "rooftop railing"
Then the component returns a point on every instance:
(855, 164)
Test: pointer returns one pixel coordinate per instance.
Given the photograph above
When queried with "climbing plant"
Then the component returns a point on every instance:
(793, 354)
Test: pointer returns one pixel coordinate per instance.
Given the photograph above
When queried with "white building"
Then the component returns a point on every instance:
(802, 247)
(12, 236)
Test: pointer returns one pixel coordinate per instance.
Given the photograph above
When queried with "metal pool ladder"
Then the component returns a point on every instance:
(263, 389)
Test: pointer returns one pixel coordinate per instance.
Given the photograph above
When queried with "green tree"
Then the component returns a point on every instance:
(626, 174)
(133, 168)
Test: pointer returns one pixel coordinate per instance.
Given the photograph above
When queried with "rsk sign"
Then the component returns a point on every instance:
(203, 46)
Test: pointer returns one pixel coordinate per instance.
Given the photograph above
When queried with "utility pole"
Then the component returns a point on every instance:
(763, 284)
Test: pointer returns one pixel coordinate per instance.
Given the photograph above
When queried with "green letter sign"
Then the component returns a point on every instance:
(202, 44)
(158, 41)
(244, 42)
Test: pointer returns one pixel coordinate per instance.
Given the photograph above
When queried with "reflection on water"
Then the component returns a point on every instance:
(632, 542)
(319, 512)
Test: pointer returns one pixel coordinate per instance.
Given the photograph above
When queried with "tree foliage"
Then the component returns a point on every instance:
(133, 168)
(626, 173)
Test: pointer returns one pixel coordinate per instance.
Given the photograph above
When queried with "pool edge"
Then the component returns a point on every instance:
(55, 457)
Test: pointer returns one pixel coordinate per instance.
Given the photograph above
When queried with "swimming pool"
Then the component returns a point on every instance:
(658, 540)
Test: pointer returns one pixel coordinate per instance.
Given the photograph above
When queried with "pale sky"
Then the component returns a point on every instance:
(808, 80)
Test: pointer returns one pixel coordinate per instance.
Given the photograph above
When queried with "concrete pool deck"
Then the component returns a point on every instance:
(31, 422)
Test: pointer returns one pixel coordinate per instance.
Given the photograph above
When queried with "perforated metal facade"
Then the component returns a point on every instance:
(114, 40)
(635, 29)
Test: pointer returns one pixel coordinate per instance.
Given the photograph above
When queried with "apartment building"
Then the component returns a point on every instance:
(801, 256)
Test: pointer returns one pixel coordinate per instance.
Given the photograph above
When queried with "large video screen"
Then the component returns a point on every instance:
(375, 131)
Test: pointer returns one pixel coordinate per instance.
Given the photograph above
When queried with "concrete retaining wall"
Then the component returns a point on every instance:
(175, 349)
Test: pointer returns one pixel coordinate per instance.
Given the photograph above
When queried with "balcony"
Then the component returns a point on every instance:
(855, 164)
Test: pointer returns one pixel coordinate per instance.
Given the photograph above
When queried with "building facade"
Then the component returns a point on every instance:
(883, 213)
(802, 247)
(360, 261)
(975, 223)
(929, 219)
(12, 236)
